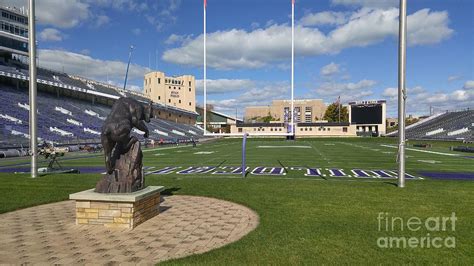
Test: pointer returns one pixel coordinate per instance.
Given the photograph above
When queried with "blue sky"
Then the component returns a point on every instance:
(343, 47)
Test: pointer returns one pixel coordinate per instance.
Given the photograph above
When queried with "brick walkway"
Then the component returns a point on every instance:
(186, 225)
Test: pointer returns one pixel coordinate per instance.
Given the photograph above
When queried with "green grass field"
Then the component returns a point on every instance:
(303, 219)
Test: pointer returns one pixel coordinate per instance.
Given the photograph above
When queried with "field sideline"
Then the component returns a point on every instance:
(301, 221)
(343, 153)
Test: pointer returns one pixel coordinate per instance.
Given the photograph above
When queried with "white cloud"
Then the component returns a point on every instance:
(50, 35)
(430, 27)
(329, 91)
(85, 52)
(367, 3)
(71, 13)
(270, 23)
(437, 98)
(333, 88)
(329, 70)
(419, 100)
(390, 92)
(123, 5)
(238, 48)
(163, 13)
(469, 85)
(62, 14)
(324, 18)
(260, 95)
(178, 39)
(453, 78)
(57, 13)
(101, 20)
(215, 86)
(86, 66)
(255, 25)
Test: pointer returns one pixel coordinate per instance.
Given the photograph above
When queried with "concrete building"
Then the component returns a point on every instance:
(318, 129)
(178, 91)
(307, 111)
(392, 122)
(216, 122)
(13, 32)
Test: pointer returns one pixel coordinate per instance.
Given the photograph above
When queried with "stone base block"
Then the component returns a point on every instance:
(124, 210)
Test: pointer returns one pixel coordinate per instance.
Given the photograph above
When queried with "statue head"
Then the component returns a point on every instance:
(148, 112)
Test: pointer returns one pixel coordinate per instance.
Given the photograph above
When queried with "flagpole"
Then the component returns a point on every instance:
(205, 71)
(401, 92)
(339, 107)
(32, 69)
(292, 66)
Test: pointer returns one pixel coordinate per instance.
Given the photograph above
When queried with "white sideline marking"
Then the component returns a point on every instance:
(271, 147)
(429, 161)
(159, 154)
(166, 148)
(204, 152)
(411, 149)
(329, 144)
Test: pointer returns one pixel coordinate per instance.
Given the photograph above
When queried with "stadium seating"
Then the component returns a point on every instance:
(446, 126)
(66, 120)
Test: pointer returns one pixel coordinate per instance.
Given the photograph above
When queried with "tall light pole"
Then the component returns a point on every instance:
(128, 66)
(32, 90)
(401, 91)
(205, 69)
(292, 67)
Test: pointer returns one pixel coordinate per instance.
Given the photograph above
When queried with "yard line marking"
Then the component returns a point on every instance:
(291, 146)
(432, 152)
(429, 161)
(166, 148)
(204, 152)
(317, 151)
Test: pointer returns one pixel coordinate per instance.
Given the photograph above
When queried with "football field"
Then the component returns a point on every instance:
(325, 158)
(306, 216)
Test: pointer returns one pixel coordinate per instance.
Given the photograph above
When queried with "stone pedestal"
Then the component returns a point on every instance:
(124, 210)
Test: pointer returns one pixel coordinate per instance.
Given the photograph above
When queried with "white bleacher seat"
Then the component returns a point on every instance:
(74, 122)
(159, 132)
(434, 132)
(11, 118)
(63, 110)
(91, 131)
(61, 132)
(459, 131)
(178, 132)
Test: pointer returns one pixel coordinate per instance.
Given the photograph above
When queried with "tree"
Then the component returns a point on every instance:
(209, 109)
(332, 113)
(264, 119)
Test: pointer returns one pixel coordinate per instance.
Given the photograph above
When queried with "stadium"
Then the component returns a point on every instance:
(297, 181)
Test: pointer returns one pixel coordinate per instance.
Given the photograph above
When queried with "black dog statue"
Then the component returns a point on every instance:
(123, 155)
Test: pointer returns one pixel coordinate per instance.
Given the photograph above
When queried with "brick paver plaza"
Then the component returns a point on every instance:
(186, 225)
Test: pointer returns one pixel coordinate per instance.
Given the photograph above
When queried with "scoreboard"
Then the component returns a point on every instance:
(368, 117)
(366, 114)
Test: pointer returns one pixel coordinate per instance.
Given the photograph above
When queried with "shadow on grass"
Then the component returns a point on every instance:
(169, 191)
(395, 184)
